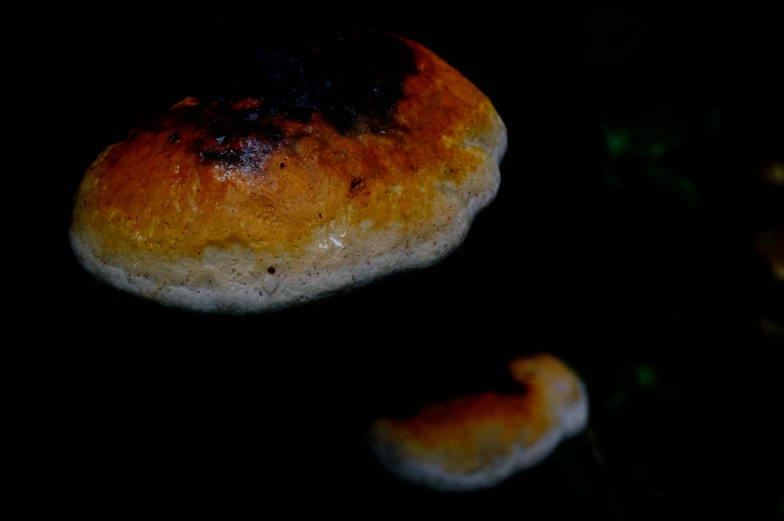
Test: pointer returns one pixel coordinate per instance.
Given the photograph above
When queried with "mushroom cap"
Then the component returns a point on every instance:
(475, 442)
(243, 204)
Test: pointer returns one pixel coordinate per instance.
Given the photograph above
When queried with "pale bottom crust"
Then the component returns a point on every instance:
(342, 256)
(429, 474)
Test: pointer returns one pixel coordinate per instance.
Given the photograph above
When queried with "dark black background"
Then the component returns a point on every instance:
(159, 403)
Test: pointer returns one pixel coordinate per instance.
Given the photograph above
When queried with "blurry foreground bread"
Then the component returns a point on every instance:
(315, 173)
(475, 442)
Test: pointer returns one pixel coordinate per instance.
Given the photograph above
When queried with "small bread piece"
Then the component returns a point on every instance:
(476, 442)
(296, 185)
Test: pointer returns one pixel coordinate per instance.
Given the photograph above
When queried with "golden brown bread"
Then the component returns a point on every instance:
(214, 209)
(475, 442)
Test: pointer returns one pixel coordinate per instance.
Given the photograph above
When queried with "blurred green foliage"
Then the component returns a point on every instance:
(652, 131)
(663, 145)
(649, 147)
(637, 381)
(653, 118)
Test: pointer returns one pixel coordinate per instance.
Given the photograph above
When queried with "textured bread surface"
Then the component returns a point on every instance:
(475, 442)
(213, 209)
